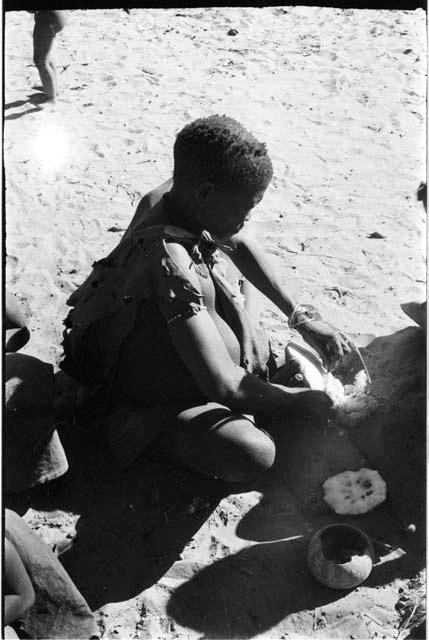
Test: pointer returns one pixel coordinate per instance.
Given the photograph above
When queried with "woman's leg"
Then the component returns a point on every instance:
(216, 442)
(130, 429)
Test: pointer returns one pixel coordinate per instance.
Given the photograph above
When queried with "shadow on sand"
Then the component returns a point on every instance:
(247, 593)
(133, 524)
(36, 99)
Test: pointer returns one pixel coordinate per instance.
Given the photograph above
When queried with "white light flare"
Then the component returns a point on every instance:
(51, 148)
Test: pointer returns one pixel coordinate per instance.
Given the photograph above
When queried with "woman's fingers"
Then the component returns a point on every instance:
(310, 403)
(334, 351)
(330, 344)
(345, 341)
(338, 346)
(318, 403)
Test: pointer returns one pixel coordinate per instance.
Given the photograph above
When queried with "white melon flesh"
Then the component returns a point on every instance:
(355, 492)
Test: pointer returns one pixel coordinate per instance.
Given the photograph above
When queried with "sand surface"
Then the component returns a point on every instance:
(339, 98)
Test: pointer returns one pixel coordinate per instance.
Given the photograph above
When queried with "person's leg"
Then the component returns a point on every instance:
(216, 442)
(131, 429)
(14, 324)
(43, 39)
(35, 454)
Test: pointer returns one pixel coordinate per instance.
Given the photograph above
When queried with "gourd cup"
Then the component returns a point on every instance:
(340, 556)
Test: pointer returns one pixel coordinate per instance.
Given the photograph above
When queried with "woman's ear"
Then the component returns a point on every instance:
(203, 192)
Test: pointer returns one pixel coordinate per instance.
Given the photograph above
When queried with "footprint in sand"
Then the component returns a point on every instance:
(419, 116)
(96, 149)
(328, 55)
(363, 98)
(376, 31)
(337, 83)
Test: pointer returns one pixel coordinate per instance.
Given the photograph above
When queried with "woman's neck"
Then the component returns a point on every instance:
(180, 212)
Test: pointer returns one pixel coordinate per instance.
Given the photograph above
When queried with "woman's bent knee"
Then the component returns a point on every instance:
(249, 459)
(218, 443)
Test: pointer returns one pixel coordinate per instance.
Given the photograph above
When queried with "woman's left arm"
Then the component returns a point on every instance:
(252, 261)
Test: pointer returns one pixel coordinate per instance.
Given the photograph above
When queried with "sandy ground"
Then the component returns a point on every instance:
(339, 98)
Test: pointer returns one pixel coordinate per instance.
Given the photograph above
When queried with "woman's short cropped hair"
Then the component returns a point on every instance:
(220, 150)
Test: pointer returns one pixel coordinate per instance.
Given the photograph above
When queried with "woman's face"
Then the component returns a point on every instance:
(223, 212)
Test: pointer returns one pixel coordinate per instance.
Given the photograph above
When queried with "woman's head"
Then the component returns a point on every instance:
(223, 168)
(218, 149)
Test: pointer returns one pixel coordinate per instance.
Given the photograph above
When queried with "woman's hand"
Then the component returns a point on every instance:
(306, 403)
(328, 342)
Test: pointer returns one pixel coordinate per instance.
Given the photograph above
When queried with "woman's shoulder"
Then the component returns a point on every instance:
(150, 210)
(172, 258)
(164, 240)
(177, 249)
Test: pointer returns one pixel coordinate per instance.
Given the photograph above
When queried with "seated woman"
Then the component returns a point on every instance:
(160, 334)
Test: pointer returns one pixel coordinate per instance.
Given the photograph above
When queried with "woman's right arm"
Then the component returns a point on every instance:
(201, 347)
